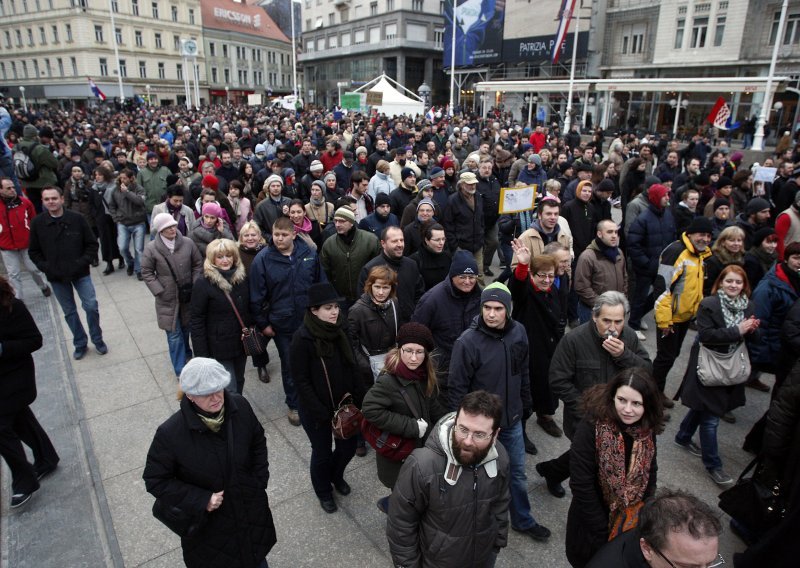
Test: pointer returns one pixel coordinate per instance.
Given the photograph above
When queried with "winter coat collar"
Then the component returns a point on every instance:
(453, 469)
(213, 276)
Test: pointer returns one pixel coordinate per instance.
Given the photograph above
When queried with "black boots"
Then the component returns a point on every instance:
(109, 268)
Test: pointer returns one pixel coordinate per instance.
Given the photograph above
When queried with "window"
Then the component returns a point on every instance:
(174, 11)
(123, 68)
(214, 75)
(35, 68)
(54, 29)
(60, 67)
(389, 5)
(320, 44)
(42, 35)
(176, 42)
(19, 37)
(191, 16)
(344, 15)
(103, 66)
(225, 50)
(679, 29)
(375, 34)
(8, 39)
(25, 6)
(118, 35)
(179, 70)
(162, 74)
(30, 36)
(344, 41)
(24, 70)
(308, 24)
(719, 31)
(417, 5)
(143, 70)
(441, 7)
(69, 33)
(135, 7)
(47, 68)
(155, 10)
(212, 49)
(115, 6)
(373, 8)
(98, 34)
(74, 63)
(699, 31)
(791, 34)
(333, 41)
(137, 37)
(633, 39)
(227, 76)
(158, 41)
(331, 19)
(438, 37)
(3, 70)
(391, 31)
(14, 69)
(360, 37)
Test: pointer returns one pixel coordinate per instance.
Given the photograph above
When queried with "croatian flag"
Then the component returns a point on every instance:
(720, 116)
(96, 90)
(565, 14)
(431, 115)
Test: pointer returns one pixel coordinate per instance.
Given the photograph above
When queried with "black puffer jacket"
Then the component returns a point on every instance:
(186, 463)
(435, 523)
(410, 286)
(216, 332)
(462, 224)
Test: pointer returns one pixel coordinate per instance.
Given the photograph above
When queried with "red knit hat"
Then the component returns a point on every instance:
(211, 182)
(656, 193)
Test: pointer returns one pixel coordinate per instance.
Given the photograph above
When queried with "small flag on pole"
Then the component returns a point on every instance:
(96, 90)
(565, 16)
(720, 116)
(431, 115)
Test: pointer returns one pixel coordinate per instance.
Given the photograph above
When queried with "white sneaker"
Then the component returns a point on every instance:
(640, 335)
(643, 326)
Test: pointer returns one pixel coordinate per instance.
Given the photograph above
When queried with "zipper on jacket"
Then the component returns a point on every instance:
(474, 509)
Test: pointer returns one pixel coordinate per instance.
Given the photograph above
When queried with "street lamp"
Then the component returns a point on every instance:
(24, 100)
(227, 95)
(531, 99)
(424, 92)
(778, 106)
(147, 88)
(677, 105)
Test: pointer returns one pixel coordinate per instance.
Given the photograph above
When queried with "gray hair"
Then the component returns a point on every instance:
(554, 247)
(612, 298)
(676, 511)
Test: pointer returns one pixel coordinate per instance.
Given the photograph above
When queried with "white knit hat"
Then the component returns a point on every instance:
(202, 376)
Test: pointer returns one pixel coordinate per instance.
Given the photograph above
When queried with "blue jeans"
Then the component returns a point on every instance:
(282, 342)
(707, 423)
(179, 350)
(511, 438)
(584, 312)
(65, 297)
(124, 233)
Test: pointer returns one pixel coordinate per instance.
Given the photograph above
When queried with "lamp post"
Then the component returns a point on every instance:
(531, 99)
(677, 105)
(294, 52)
(424, 92)
(227, 95)
(147, 88)
(758, 139)
(24, 100)
(778, 106)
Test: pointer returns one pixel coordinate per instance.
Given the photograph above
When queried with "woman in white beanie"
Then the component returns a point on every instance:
(170, 265)
(208, 463)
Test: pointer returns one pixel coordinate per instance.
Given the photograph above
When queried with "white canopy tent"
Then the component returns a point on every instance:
(394, 101)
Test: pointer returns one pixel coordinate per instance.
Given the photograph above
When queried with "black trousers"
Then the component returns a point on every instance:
(668, 349)
(18, 428)
(327, 465)
(108, 238)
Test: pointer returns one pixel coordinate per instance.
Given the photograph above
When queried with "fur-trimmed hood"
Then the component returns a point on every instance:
(217, 279)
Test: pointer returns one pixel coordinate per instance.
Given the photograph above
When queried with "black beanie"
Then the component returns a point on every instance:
(382, 199)
(413, 332)
(463, 263)
(720, 201)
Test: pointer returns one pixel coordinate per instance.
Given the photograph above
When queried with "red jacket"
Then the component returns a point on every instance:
(331, 161)
(15, 223)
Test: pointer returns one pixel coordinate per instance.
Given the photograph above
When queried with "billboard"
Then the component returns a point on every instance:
(509, 31)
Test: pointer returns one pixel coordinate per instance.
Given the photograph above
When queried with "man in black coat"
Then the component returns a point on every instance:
(19, 338)
(463, 220)
(410, 286)
(62, 246)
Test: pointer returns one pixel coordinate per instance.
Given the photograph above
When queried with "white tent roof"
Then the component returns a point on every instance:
(394, 102)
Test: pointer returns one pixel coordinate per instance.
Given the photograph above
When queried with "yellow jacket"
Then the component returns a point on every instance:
(679, 283)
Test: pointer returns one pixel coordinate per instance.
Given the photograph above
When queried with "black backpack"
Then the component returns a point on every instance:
(24, 168)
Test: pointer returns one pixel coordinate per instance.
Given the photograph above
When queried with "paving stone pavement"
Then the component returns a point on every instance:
(102, 411)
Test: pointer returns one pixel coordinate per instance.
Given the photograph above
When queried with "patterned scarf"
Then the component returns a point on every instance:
(623, 490)
(732, 308)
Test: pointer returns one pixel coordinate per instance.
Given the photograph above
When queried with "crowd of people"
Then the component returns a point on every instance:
(364, 247)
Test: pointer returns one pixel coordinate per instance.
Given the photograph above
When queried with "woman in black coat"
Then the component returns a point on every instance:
(724, 320)
(324, 372)
(216, 331)
(19, 338)
(432, 257)
(209, 460)
(537, 307)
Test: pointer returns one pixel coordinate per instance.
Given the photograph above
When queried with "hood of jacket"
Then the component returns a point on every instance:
(439, 442)
(219, 280)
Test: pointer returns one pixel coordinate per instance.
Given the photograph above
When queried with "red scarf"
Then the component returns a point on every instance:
(419, 374)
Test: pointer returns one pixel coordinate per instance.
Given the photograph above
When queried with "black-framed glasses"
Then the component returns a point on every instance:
(718, 561)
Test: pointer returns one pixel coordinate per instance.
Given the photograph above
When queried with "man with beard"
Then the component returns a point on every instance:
(381, 217)
(461, 464)
(492, 355)
(600, 268)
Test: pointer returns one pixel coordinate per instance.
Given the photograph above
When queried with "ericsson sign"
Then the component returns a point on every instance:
(238, 17)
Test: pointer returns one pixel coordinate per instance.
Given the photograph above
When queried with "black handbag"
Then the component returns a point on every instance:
(253, 341)
(184, 290)
(752, 503)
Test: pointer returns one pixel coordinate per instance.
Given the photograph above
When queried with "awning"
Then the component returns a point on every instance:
(659, 84)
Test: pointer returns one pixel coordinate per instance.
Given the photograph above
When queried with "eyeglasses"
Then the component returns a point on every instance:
(545, 276)
(465, 433)
(718, 561)
(414, 352)
(465, 277)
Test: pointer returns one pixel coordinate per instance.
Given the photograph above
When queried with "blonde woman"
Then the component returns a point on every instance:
(216, 331)
(251, 242)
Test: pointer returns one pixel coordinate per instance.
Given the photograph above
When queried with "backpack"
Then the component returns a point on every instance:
(24, 168)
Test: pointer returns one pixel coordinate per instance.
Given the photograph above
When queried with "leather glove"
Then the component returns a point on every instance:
(423, 427)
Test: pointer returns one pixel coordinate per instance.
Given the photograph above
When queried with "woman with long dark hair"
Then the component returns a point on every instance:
(612, 461)
(403, 401)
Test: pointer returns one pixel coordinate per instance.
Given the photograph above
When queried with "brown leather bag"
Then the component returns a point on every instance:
(346, 421)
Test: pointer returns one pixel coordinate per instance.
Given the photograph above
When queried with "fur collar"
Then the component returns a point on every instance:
(213, 276)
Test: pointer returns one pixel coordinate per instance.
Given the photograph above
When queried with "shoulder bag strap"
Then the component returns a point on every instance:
(174, 276)
(327, 381)
(238, 317)
(407, 399)
(394, 311)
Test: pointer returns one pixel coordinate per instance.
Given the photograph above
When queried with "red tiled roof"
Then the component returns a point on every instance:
(240, 17)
